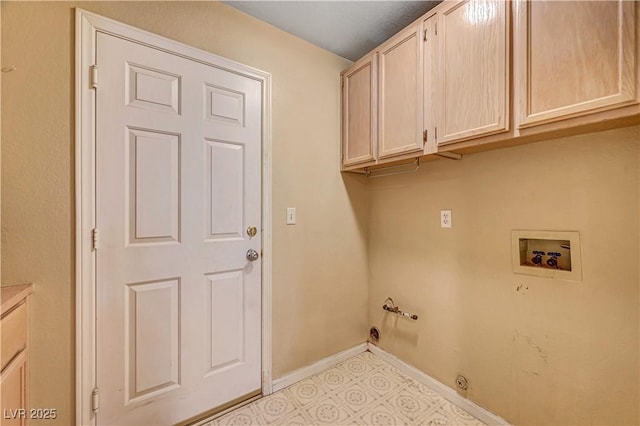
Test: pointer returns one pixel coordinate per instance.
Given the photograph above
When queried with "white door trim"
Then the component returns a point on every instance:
(87, 26)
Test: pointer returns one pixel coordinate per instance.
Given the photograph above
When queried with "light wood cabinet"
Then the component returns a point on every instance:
(400, 117)
(471, 82)
(574, 58)
(15, 354)
(473, 75)
(429, 68)
(14, 391)
(359, 111)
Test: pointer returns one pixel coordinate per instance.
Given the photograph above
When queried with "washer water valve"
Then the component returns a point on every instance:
(553, 259)
(537, 259)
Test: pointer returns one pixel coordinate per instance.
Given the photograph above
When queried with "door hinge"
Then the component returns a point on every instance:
(95, 242)
(93, 76)
(95, 400)
(425, 135)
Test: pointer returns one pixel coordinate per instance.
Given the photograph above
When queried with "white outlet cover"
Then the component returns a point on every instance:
(446, 220)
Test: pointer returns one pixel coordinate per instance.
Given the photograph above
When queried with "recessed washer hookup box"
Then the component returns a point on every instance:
(551, 254)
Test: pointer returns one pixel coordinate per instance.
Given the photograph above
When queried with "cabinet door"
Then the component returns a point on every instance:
(400, 107)
(473, 70)
(574, 58)
(430, 61)
(13, 392)
(359, 96)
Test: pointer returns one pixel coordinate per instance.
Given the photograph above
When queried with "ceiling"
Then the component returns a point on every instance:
(347, 28)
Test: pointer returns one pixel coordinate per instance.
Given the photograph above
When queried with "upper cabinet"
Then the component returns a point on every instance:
(400, 128)
(382, 104)
(359, 112)
(574, 58)
(471, 75)
(471, 82)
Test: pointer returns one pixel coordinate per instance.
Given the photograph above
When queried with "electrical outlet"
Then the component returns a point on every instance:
(291, 216)
(445, 219)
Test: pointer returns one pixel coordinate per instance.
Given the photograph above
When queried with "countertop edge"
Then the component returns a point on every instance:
(12, 295)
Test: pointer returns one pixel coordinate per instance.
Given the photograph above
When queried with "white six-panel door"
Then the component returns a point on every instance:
(178, 183)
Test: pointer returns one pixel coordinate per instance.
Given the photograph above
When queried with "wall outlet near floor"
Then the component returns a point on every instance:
(445, 219)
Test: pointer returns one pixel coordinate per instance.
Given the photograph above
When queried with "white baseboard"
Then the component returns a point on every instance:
(323, 364)
(445, 391)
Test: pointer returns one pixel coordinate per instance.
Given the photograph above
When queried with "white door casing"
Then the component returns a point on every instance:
(176, 167)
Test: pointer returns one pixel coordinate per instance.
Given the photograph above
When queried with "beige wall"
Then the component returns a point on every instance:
(553, 352)
(319, 265)
(1, 66)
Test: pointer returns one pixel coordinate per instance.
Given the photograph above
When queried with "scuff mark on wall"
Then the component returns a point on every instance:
(541, 352)
(531, 356)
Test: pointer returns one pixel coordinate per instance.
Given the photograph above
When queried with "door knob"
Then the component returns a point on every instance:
(252, 255)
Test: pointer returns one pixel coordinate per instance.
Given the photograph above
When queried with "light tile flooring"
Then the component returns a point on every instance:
(364, 390)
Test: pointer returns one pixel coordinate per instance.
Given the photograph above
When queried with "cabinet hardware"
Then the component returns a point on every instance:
(95, 400)
(93, 77)
(95, 241)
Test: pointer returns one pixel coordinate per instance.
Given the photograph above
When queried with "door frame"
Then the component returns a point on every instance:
(87, 26)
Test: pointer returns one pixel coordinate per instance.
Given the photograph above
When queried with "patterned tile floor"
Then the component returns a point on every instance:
(364, 390)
